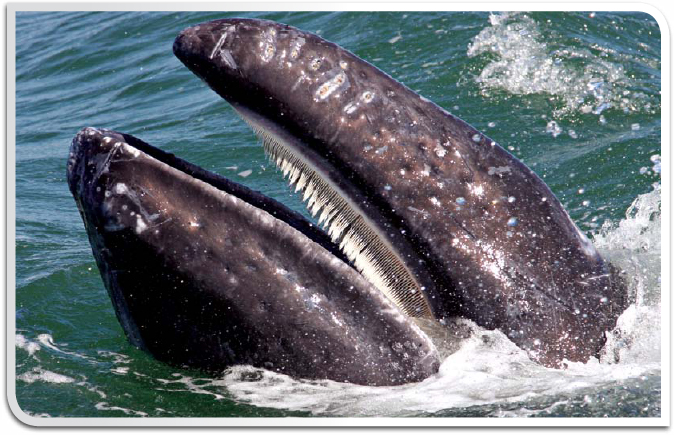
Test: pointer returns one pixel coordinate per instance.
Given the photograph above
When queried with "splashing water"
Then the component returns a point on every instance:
(588, 79)
(489, 371)
(487, 376)
(72, 359)
(634, 246)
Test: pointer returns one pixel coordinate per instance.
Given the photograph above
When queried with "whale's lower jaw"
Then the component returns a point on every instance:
(206, 273)
(475, 230)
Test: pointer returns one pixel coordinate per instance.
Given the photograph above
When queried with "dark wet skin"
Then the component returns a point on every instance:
(208, 274)
(479, 231)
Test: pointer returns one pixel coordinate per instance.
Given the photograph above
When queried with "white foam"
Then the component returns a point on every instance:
(23, 343)
(39, 374)
(488, 368)
(588, 79)
(103, 406)
(634, 245)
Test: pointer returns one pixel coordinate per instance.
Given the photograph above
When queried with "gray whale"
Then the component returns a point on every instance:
(206, 273)
(441, 218)
(425, 219)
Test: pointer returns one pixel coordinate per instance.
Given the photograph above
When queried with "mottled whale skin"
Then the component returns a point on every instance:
(206, 273)
(477, 230)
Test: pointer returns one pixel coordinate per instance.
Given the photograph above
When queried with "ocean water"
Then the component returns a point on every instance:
(576, 96)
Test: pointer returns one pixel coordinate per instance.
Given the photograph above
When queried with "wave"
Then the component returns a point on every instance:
(587, 77)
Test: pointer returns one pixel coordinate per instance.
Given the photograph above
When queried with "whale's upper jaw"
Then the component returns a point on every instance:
(207, 273)
(475, 230)
(232, 56)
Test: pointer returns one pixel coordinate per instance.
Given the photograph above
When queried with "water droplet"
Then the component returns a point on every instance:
(315, 64)
(553, 128)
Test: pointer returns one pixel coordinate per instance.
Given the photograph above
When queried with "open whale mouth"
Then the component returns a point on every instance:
(98, 148)
(349, 237)
(425, 218)
(342, 216)
(231, 275)
(372, 240)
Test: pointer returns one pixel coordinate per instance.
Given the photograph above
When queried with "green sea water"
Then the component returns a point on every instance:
(576, 96)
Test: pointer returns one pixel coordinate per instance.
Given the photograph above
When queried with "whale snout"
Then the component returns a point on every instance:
(214, 42)
(88, 150)
(237, 52)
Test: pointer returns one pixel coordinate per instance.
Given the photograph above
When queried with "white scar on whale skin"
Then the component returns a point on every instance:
(268, 45)
(218, 45)
(140, 225)
(221, 41)
(227, 57)
(120, 188)
(296, 47)
(329, 87)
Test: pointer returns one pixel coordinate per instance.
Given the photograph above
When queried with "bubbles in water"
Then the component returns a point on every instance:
(635, 127)
(553, 128)
(655, 158)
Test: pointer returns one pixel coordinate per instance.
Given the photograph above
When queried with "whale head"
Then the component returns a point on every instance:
(438, 216)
